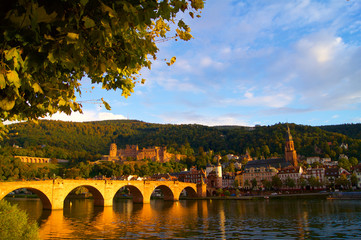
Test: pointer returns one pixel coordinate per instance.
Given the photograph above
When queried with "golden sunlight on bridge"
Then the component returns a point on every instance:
(53, 192)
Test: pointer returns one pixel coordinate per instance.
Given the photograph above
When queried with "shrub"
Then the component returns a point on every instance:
(14, 223)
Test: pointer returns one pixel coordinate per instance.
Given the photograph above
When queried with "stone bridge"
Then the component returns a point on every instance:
(53, 192)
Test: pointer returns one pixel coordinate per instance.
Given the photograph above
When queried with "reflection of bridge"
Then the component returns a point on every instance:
(53, 192)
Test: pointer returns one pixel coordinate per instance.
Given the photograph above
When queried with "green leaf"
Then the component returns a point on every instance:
(110, 11)
(172, 61)
(13, 77)
(103, 67)
(106, 105)
(62, 102)
(10, 54)
(51, 57)
(6, 104)
(83, 2)
(37, 88)
(2, 81)
(42, 16)
(88, 22)
(72, 37)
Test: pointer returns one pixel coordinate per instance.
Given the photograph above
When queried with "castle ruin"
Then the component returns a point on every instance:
(132, 152)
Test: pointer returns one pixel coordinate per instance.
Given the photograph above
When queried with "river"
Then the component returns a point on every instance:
(199, 219)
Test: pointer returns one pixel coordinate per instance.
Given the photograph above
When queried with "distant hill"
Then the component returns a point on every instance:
(351, 130)
(90, 140)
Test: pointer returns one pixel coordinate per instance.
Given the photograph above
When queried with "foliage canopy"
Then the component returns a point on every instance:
(14, 223)
(47, 47)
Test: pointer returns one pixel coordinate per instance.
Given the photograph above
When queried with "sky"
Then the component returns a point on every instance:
(250, 63)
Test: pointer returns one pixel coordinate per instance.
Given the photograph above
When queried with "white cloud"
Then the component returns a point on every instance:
(248, 95)
(278, 100)
(88, 115)
(172, 84)
(323, 70)
(322, 47)
(197, 118)
(209, 62)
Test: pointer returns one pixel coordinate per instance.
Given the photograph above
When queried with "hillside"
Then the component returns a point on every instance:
(90, 140)
(351, 130)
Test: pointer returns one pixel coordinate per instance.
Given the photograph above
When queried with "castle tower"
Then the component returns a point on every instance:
(219, 175)
(113, 150)
(219, 170)
(290, 152)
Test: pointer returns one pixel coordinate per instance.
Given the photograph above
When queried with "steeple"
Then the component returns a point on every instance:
(290, 152)
(289, 136)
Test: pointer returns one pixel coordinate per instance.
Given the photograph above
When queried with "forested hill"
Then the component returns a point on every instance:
(351, 130)
(90, 140)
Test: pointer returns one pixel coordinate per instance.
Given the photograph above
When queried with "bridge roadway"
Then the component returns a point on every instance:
(53, 192)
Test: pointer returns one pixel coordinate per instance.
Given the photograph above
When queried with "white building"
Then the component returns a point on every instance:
(291, 172)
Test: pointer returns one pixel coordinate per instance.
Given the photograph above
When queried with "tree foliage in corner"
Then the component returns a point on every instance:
(14, 223)
(46, 47)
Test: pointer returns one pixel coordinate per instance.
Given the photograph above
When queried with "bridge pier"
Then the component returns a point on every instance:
(107, 202)
(57, 205)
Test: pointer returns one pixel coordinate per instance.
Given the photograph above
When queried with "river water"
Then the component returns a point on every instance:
(199, 219)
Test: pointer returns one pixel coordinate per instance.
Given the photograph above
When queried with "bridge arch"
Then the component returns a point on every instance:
(190, 191)
(45, 200)
(97, 195)
(167, 192)
(134, 191)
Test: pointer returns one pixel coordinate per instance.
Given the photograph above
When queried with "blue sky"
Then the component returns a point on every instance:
(250, 62)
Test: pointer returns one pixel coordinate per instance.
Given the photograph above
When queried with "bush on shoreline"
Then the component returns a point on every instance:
(14, 223)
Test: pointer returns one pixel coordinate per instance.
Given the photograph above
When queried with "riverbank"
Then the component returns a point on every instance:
(319, 195)
(345, 196)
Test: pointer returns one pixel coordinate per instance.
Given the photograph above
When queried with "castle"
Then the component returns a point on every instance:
(132, 152)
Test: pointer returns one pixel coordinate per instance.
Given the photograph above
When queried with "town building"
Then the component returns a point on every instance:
(216, 168)
(311, 160)
(292, 172)
(228, 180)
(132, 152)
(191, 176)
(357, 172)
(277, 163)
(163, 177)
(260, 174)
(331, 174)
(232, 157)
(318, 173)
(246, 157)
(195, 176)
(323, 161)
(214, 177)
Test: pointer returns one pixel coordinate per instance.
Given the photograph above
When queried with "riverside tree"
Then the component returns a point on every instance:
(15, 224)
(47, 47)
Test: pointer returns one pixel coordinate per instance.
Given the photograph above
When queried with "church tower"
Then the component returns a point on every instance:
(290, 152)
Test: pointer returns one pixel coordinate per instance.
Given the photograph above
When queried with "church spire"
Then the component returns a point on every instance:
(289, 136)
(290, 152)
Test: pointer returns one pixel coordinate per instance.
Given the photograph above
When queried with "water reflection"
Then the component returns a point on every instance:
(211, 219)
